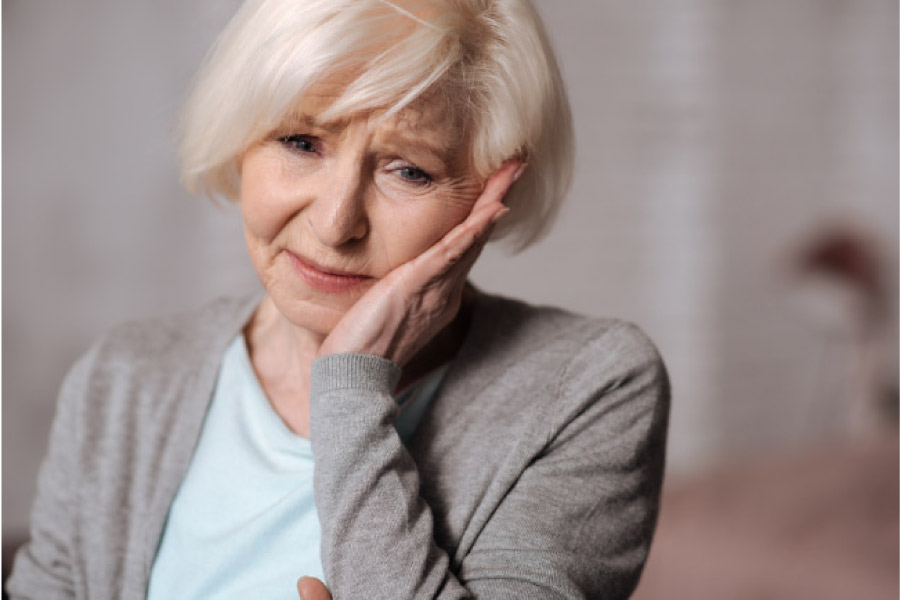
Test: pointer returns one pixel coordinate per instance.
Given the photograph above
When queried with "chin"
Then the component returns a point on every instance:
(310, 315)
(316, 315)
(306, 307)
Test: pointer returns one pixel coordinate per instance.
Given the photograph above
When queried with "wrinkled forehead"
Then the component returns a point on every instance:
(432, 115)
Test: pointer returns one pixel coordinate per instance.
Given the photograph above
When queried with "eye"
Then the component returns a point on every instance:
(414, 174)
(300, 143)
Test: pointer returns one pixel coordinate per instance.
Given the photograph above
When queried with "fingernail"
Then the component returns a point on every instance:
(499, 214)
(519, 171)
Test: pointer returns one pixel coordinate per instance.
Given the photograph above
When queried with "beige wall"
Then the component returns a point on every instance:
(714, 138)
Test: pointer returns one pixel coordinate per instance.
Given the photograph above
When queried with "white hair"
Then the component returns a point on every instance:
(490, 58)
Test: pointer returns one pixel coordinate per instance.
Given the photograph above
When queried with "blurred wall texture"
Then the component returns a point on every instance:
(735, 194)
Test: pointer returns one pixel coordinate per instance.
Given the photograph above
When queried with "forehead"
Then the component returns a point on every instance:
(431, 117)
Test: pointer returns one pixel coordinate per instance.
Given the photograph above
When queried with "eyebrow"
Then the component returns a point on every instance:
(400, 141)
(301, 119)
(395, 139)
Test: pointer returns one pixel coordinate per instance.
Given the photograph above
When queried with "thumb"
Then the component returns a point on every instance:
(311, 588)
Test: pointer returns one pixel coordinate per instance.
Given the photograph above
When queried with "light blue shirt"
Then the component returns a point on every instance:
(243, 523)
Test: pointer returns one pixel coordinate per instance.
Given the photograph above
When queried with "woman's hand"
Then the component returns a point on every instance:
(411, 304)
(311, 588)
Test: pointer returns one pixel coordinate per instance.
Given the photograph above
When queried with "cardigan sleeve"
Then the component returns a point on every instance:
(579, 521)
(377, 537)
(576, 524)
(46, 567)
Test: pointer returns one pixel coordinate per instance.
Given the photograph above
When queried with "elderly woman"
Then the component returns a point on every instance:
(371, 421)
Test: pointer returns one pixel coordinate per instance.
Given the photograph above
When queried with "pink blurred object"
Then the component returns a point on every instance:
(840, 279)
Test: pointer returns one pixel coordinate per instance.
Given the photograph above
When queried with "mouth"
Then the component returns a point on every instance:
(326, 279)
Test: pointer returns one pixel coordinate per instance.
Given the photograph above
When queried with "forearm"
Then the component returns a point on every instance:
(377, 533)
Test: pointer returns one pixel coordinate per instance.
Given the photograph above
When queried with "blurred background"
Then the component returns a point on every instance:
(736, 194)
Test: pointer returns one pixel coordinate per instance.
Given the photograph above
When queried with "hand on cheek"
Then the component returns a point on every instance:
(410, 305)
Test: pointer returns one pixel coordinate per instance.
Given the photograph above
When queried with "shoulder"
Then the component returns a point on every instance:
(172, 341)
(557, 369)
(180, 333)
(570, 341)
(143, 365)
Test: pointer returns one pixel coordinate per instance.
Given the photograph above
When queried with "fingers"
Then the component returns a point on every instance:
(476, 227)
(499, 183)
(489, 208)
(459, 248)
(311, 588)
(486, 211)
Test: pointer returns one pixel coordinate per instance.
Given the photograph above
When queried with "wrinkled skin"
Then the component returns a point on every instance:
(409, 306)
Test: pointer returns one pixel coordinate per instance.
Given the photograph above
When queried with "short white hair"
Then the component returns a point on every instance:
(491, 58)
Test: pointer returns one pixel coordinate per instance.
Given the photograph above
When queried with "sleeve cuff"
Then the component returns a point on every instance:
(353, 371)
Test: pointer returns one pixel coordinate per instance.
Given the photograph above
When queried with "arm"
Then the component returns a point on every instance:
(45, 567)
(576, 524)
(579, 520)
(367, 486)
(364, 478)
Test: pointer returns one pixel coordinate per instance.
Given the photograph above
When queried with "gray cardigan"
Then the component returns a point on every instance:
(535, 473)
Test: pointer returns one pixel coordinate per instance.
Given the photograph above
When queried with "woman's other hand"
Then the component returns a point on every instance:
(400, 314)
(311, 588)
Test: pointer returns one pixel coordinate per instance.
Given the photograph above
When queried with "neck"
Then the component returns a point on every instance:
(279, 350)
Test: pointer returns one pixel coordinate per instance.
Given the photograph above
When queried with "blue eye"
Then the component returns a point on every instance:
(301, 143)
(414, 175)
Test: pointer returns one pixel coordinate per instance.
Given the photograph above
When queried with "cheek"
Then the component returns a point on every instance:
(265, 197)
(409, 229)
(417, 235)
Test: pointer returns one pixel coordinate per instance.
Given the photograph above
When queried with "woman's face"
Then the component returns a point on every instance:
(330, 208)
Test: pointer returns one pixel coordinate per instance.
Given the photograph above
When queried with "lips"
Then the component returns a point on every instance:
(326, 279)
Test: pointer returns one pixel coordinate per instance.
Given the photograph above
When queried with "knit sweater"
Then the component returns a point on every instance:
(535, 473)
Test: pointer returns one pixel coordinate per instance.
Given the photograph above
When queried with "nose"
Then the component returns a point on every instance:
(338, 213)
